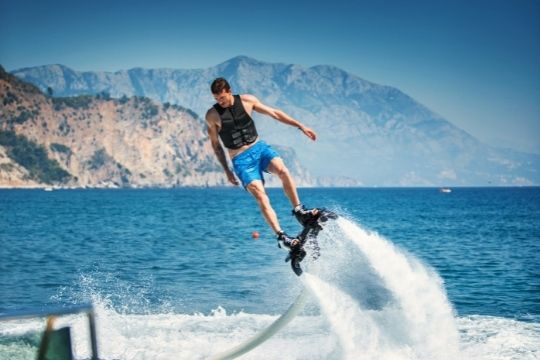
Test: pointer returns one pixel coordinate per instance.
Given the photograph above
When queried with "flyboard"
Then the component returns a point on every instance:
(308, 239)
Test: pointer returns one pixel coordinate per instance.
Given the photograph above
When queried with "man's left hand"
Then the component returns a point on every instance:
(309, 133)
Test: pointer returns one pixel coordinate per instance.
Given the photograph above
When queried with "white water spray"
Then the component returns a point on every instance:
(416, 322)
(359, 334)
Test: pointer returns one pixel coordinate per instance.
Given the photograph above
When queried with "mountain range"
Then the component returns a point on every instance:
(368, 134)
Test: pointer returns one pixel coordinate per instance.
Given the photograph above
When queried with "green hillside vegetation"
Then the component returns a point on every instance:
(75, 102)
(23, 116)
(147, 107)
(33, 157)
(60, 148)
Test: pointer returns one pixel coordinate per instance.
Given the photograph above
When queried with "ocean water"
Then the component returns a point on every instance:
(175, 274)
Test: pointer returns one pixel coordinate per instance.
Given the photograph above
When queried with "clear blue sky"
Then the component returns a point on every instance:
(477, 63)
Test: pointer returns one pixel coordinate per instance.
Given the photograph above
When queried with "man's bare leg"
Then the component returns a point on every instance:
(256, 189)
(277, 167)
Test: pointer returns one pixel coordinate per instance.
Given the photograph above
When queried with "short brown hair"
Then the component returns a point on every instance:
(220, 84)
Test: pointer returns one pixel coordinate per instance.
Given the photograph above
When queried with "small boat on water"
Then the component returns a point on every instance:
(48, 188)
(445, 190)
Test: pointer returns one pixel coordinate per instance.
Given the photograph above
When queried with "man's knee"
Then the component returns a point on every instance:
(284, 173)
(258, 192)
(281, 171)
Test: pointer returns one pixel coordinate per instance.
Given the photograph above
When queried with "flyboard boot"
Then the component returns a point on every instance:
(296, 251)
(313, 218)
(312, 221)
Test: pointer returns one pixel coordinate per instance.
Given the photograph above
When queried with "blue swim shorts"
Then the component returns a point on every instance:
(250, 164)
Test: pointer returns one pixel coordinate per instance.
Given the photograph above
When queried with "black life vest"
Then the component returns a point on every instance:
(237, 127)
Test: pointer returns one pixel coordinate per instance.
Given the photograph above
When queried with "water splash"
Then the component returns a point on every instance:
(359, 334)
(408, 317)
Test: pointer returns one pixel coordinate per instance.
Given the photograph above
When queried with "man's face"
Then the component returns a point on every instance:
(224, 99)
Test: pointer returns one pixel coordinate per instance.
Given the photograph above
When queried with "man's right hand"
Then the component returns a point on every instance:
(230, 176)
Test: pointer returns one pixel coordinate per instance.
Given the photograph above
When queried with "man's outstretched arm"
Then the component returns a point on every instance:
(218, 149)
(280, 116)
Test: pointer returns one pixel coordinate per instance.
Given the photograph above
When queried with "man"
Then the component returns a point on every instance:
(230, 120)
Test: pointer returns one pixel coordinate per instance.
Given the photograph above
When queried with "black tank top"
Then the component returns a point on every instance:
(237, 127)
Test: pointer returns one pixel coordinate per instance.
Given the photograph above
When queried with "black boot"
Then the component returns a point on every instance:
(290, 243)
(307, 217)
(296, 251)
(295, 246)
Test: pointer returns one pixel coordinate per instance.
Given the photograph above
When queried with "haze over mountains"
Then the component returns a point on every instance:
(369, 134)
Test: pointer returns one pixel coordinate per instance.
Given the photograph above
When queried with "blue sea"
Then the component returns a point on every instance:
(408, 273)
